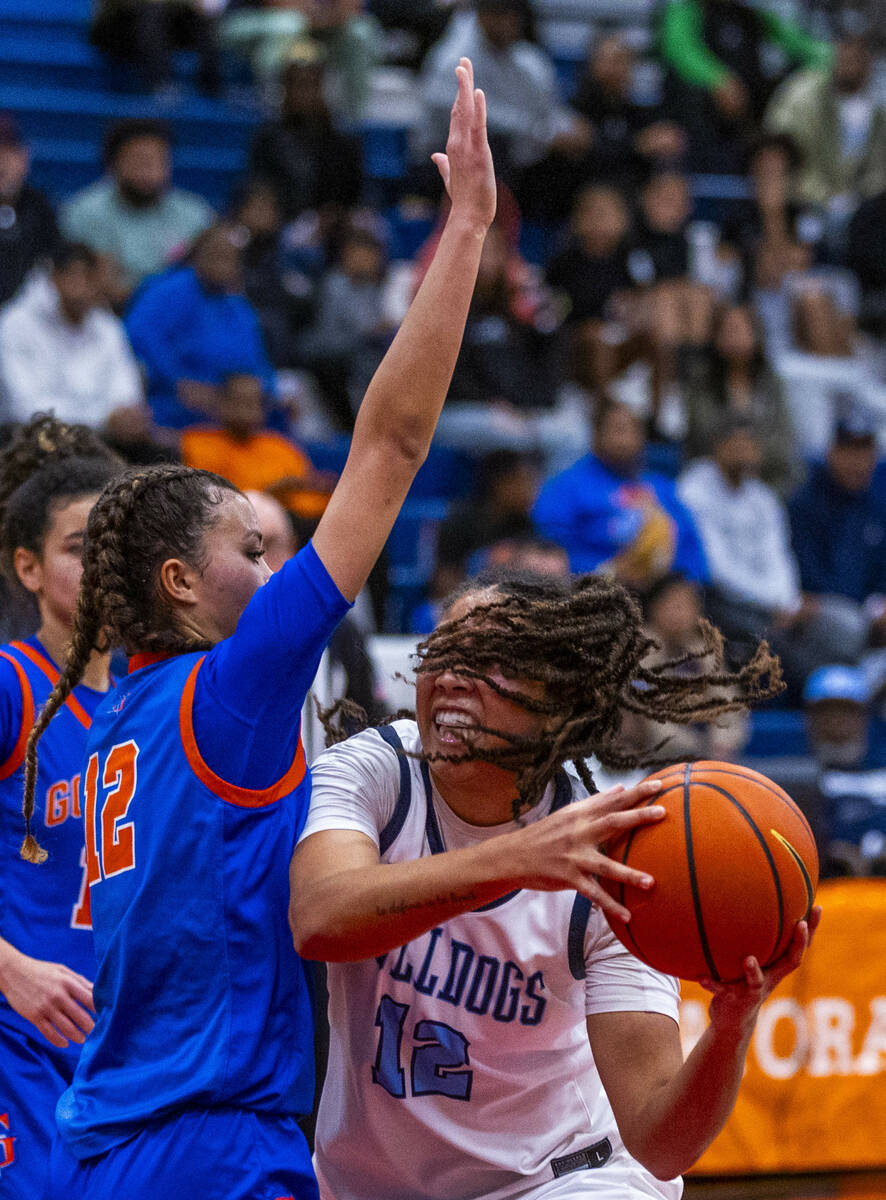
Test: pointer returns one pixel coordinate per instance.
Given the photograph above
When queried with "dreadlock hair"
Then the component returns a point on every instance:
(583, 639)
(143, 517)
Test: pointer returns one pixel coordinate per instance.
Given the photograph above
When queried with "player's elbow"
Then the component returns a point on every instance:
(317, 937)
(661, 1159)
(307, 936)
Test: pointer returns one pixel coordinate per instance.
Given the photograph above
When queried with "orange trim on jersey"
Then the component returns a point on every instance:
(245, 797)
(17, 757)
(42, 663)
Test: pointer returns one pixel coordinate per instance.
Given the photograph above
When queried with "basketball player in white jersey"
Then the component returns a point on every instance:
(489, 1037)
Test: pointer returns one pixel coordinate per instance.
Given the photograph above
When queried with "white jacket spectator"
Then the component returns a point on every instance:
(59, 350)
(524, 111)
(744, 529)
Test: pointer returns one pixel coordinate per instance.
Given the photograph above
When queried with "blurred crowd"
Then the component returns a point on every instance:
(674, 368)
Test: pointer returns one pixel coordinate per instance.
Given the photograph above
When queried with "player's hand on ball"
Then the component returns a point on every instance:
(50, 995)
(563, 850)
(735, 1006)
(466, 167)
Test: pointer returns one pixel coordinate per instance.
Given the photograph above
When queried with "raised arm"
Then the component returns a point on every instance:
(399, 412)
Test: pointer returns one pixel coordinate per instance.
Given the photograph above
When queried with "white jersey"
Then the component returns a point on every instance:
(459, 1065)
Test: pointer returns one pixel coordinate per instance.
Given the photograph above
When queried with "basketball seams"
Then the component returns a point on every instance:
(704, 766)
(761, 838)
(693, 878)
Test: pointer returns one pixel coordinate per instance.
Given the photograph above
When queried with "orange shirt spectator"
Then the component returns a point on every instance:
(253, 458)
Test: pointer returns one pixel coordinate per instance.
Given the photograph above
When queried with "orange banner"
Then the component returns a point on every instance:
(814, 1092)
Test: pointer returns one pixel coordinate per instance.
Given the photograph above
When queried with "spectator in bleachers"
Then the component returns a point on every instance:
(677, 312)
(845, 804)
(506, 484)
(733, 377)
(754, 582)
(612, 514)
(145, 32)
(275, 280)
(351, 329)
(240, 449)
(592, 271)
(838, 524)
(421, 21)
(535, 555)
(505, 359)
(624, 139)
(311, 165)
(28, 231)
(191, 327)
(770, 232)
(628, 137)
(715, 50)
(838, 121)
(265, 31)
(672, 609)
(526, 118)
(866, 257)
(133, 217)
(60, 350)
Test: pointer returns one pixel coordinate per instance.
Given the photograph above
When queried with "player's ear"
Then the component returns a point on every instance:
(176, 580)
(29, 569)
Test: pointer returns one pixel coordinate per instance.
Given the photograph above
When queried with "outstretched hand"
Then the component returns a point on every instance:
(735, 1005)
(466, 168)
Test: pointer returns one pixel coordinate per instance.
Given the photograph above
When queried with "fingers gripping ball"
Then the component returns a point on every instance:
(735, 868)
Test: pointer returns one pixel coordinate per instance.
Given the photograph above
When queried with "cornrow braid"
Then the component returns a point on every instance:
(142, 517)
(584, 640)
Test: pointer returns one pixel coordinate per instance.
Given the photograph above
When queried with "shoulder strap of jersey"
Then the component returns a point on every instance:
(391, 831)
(17, 757)
(232, 792)
(563, 793)
(578, 924)
(43, 664)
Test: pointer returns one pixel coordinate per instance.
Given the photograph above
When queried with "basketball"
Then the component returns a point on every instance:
(735, 869)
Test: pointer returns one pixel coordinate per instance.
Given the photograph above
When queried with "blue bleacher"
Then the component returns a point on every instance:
(65, 94)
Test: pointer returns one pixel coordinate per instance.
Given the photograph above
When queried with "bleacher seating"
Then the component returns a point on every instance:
(65, 94)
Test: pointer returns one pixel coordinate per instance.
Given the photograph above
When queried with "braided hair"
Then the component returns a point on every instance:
(37, 445)
(143, 517)
(583, 639)
(40, 439)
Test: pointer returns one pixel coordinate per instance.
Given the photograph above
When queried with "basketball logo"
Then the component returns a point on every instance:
(7, 1147)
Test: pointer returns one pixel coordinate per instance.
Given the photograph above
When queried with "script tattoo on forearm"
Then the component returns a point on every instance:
(398, 907)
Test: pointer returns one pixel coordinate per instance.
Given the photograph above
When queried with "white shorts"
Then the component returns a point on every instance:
(600, 1185)
(594, 1185)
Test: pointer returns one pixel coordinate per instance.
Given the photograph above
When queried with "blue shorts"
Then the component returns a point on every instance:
(33, 1074)
(218, 1154)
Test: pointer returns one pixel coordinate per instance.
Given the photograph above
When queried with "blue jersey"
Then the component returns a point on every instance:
(44, 910)
(195, 791)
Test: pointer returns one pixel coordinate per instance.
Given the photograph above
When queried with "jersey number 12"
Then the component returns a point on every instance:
(110, 839)
(439, 1056)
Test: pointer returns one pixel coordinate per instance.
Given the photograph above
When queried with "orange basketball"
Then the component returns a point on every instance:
(735, 869)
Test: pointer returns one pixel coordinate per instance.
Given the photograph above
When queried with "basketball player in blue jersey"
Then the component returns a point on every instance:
(47, 488)
(489, 1036)
(195, 787)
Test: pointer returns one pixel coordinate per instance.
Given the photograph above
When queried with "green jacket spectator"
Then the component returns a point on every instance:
(715, 45)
